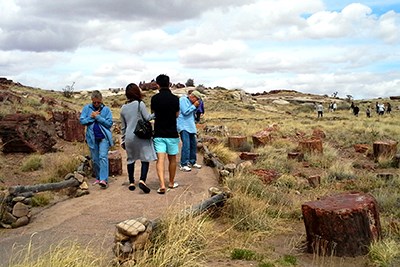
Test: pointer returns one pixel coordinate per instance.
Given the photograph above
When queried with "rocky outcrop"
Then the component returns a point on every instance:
(67, 126)
(26, 133)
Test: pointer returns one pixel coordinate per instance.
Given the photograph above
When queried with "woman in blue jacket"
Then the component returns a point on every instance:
(98, 121)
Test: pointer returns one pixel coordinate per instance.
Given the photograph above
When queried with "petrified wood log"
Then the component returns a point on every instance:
(296, 155)
(311, 146)
(314, 180)
(15, 190)
(385, 149)
(249, 156)
(237, 142)
(114, 163)
(343, 225)
(262, 138)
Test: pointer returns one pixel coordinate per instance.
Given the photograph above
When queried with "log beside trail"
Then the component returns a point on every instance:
(15, 190)
(342, 225)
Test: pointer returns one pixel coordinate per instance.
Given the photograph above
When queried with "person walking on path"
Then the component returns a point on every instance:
(188, 105)
(320, 110)
(98, 121)
(388, 108)
(165, 106)
(136, 148)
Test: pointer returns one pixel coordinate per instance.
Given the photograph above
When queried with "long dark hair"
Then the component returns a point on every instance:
(132, 92)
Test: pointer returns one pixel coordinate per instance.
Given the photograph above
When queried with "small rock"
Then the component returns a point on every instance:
(20, 222)
(20, 210)
(130, 227)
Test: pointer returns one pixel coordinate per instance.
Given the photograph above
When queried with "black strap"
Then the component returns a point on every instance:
(139, 111)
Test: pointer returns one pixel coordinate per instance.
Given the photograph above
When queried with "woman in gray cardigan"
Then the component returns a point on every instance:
(136, 148)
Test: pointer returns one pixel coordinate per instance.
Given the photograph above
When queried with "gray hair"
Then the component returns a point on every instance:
(97, 94)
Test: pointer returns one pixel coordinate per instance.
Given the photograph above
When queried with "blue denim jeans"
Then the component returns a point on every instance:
(189, 148)
(99, 156)
(143, 171)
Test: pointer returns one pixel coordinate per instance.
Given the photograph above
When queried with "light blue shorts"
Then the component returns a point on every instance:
(166, 145)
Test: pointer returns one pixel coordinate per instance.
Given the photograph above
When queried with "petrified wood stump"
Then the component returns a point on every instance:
(114, 163)
(262, 138)
(296, 155)
(311, 146)
(385, 149)
(342, 225)
(237, 142)
(314, 180)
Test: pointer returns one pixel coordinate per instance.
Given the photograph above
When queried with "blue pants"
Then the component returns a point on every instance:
(189, 148)
(99, 156)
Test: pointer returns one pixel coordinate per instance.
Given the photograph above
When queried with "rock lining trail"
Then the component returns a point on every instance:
(90, 220)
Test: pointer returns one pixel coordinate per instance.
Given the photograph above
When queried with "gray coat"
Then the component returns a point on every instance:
(136, 148)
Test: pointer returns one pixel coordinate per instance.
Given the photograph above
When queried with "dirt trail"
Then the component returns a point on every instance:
(90, 220)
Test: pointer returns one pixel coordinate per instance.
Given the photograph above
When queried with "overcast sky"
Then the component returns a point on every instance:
(310, 46)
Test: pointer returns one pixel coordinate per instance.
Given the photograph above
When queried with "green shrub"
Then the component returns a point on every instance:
(242, 254)
(32, 163)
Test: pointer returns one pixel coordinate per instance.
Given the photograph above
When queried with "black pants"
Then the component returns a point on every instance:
(143, 171)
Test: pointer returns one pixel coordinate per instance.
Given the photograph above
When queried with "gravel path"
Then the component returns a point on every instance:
(90, 220)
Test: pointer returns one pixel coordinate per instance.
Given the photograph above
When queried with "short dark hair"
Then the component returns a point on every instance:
(132, 92)
(162, 80)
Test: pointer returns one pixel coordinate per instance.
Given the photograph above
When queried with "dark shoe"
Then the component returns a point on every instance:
(144, 187)
(103, 184)
(132, 187)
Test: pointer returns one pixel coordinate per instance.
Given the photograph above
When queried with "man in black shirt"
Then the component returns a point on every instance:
(165, 106)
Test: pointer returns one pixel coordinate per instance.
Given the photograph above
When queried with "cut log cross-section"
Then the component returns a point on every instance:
(237, 142)
(385, 149)
(342, 225)
(311, 146)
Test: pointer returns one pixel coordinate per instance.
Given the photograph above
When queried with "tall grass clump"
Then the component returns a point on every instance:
(179, 240)
(385, 253)
(223, 153)
(57, 166)
(274, 159)
(32, 163)
(324, 160)
(66, 253)
(341, 171)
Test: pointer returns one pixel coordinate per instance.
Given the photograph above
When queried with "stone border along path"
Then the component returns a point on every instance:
(90, 220)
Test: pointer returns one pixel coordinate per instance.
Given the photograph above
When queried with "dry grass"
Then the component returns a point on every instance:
(259, 213)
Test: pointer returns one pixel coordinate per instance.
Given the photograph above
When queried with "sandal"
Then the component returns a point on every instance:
(161, 191)
(175, 185)
(132, 187)
(144, 187)
(103, 184)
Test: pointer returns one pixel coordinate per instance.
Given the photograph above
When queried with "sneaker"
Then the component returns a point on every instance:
(185, 168)
(196, 166)
(103, 184)
(96, 182)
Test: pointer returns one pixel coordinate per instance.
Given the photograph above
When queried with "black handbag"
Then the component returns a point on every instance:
(143, 129)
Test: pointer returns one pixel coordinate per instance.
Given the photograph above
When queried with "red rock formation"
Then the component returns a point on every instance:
(67, 126)
(26, 133)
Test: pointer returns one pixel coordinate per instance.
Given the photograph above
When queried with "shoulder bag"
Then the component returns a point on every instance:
(143, 129)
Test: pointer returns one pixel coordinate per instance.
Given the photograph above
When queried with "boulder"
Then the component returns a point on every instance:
(67, 126)
(26, 133)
